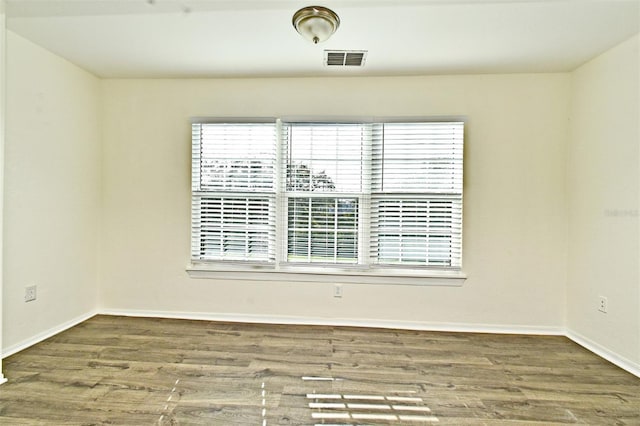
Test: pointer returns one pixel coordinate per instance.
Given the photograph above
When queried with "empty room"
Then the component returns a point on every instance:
(258, 212)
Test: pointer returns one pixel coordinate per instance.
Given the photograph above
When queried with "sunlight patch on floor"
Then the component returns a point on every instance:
(352, 409)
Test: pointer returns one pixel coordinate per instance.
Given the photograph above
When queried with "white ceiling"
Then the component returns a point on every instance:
(240, 38)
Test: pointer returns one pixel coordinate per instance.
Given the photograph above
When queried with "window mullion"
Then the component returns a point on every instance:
(335, 230)
(280, 198)
(309, 228)
(247, 234)
(364, 214)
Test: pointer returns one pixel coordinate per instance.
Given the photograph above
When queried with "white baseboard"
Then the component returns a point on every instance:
(346, 322)
(8, 351)
(612, 357)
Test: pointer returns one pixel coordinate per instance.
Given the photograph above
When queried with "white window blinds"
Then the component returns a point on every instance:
(416, 197)
(323, 188)
(370, 195)
(233, 187)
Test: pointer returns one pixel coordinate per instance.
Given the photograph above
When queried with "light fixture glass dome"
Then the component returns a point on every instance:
(316, 23)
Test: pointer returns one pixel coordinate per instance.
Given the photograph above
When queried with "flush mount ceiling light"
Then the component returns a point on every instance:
(315, 23)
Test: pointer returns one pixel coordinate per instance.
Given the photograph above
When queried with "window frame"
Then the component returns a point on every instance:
(368, 272)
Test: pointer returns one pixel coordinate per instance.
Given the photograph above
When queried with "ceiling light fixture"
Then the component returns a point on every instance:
(316, 23)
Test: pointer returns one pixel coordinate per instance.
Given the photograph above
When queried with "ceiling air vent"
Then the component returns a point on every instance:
(344, 58)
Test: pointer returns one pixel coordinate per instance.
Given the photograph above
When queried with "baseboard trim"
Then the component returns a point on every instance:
(605, 353)
(343, 322)
(8, 351)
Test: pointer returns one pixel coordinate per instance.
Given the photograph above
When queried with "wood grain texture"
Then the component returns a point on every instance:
(145, 371)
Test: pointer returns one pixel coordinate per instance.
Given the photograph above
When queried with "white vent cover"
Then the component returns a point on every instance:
(344, 58)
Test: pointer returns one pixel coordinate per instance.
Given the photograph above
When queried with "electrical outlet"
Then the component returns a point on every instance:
(602, 304)
(30, 293)
(337, 290)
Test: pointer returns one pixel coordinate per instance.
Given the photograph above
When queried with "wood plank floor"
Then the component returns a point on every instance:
(143, 371)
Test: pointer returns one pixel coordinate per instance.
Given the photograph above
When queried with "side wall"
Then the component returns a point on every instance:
(604, 187)
(515, 211)
(3, 51)
(52, 193)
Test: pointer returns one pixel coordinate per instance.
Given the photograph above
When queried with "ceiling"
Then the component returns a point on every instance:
(255, 38)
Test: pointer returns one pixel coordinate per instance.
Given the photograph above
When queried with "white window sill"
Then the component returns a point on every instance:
(327, 274)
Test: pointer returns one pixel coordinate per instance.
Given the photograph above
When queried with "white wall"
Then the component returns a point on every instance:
(515, 210)
(52, 192)
(604, 187)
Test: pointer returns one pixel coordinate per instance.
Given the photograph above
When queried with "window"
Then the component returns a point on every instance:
(233, 192)
(417, 195)
(366, 196)
(324, 188)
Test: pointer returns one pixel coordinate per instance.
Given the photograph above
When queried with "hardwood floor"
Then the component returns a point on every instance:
(143, 371)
